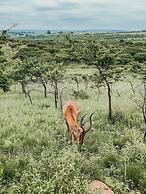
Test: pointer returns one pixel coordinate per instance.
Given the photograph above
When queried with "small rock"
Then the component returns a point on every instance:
(98, 187)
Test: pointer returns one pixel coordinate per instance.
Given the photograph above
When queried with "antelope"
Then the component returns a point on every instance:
(71, 112)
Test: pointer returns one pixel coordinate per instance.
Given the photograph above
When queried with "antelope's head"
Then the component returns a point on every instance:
(80, 131)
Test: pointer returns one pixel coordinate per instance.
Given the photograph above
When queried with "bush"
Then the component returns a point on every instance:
(80, 94)
(134, 174)
(50, 173)
(111, 160)
(143, 183)
(92, 167)
(4, 82)
(8, 170)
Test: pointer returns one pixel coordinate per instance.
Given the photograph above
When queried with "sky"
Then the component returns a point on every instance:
(73, 14)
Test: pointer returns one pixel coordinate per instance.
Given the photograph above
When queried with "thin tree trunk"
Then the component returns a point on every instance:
(29, 97)
(109, 101)
(4, 89)
(23, 86)
(144, 115)
(45, 90)
(86, 84)
(132, 87)
(144, 110)
(98, 94)
(56, 94)
(61, 104)
(77, 85)
(56, 100)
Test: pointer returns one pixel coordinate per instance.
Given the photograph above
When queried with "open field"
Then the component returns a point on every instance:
(105, 74)
(35, 157)
(72, 97)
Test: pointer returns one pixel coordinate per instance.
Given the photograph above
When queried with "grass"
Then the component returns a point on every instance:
(34, 155)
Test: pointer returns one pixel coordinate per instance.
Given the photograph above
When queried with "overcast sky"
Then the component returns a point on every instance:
(74, 14)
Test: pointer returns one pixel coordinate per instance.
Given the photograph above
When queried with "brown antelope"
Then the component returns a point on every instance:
(71, 112)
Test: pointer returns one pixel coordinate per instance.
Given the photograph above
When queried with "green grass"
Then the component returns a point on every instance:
(34, 155)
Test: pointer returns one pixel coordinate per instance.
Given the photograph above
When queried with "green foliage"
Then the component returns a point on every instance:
(4, 82)
(134, 174)
(35, 157)
(143, 183)
(140, 57)
(55, 173)
(80, 94)
(92, 168)
(8, 170)
(111, 160)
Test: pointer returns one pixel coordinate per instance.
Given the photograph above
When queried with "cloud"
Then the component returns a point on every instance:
(46, 3)
(81, 4)
(75, 14)
(54, 3)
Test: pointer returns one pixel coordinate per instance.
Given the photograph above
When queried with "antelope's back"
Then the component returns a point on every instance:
(71, 108)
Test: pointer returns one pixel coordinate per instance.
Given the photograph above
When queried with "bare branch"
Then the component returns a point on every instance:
(132, 87)
(4, 32)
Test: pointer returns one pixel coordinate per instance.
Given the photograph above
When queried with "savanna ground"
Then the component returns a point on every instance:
(35, 157)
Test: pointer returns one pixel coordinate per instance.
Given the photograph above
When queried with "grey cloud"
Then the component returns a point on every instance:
(63, 6)
(77, 19)
(124, 14)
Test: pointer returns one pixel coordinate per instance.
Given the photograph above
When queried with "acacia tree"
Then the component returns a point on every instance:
(37, 61)
(55, 76)
(20, 72)
(39, 73)
(86, 79)
(31, 65)
(58, 61)
(139, 70)
(110, 63)
(77, 79)
(5, 60)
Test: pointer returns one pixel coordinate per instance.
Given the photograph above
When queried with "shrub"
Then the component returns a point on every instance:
(134, 174)
(81, 94)
(51, 173)
(92, 167)
(111, 160)
(8, 170)
(4, 82)
(143, 183)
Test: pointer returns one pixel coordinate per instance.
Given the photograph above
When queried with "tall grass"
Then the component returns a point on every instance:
(34, 155)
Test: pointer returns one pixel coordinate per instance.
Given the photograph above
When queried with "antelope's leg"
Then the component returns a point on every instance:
(73, 137)
(68, 137)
